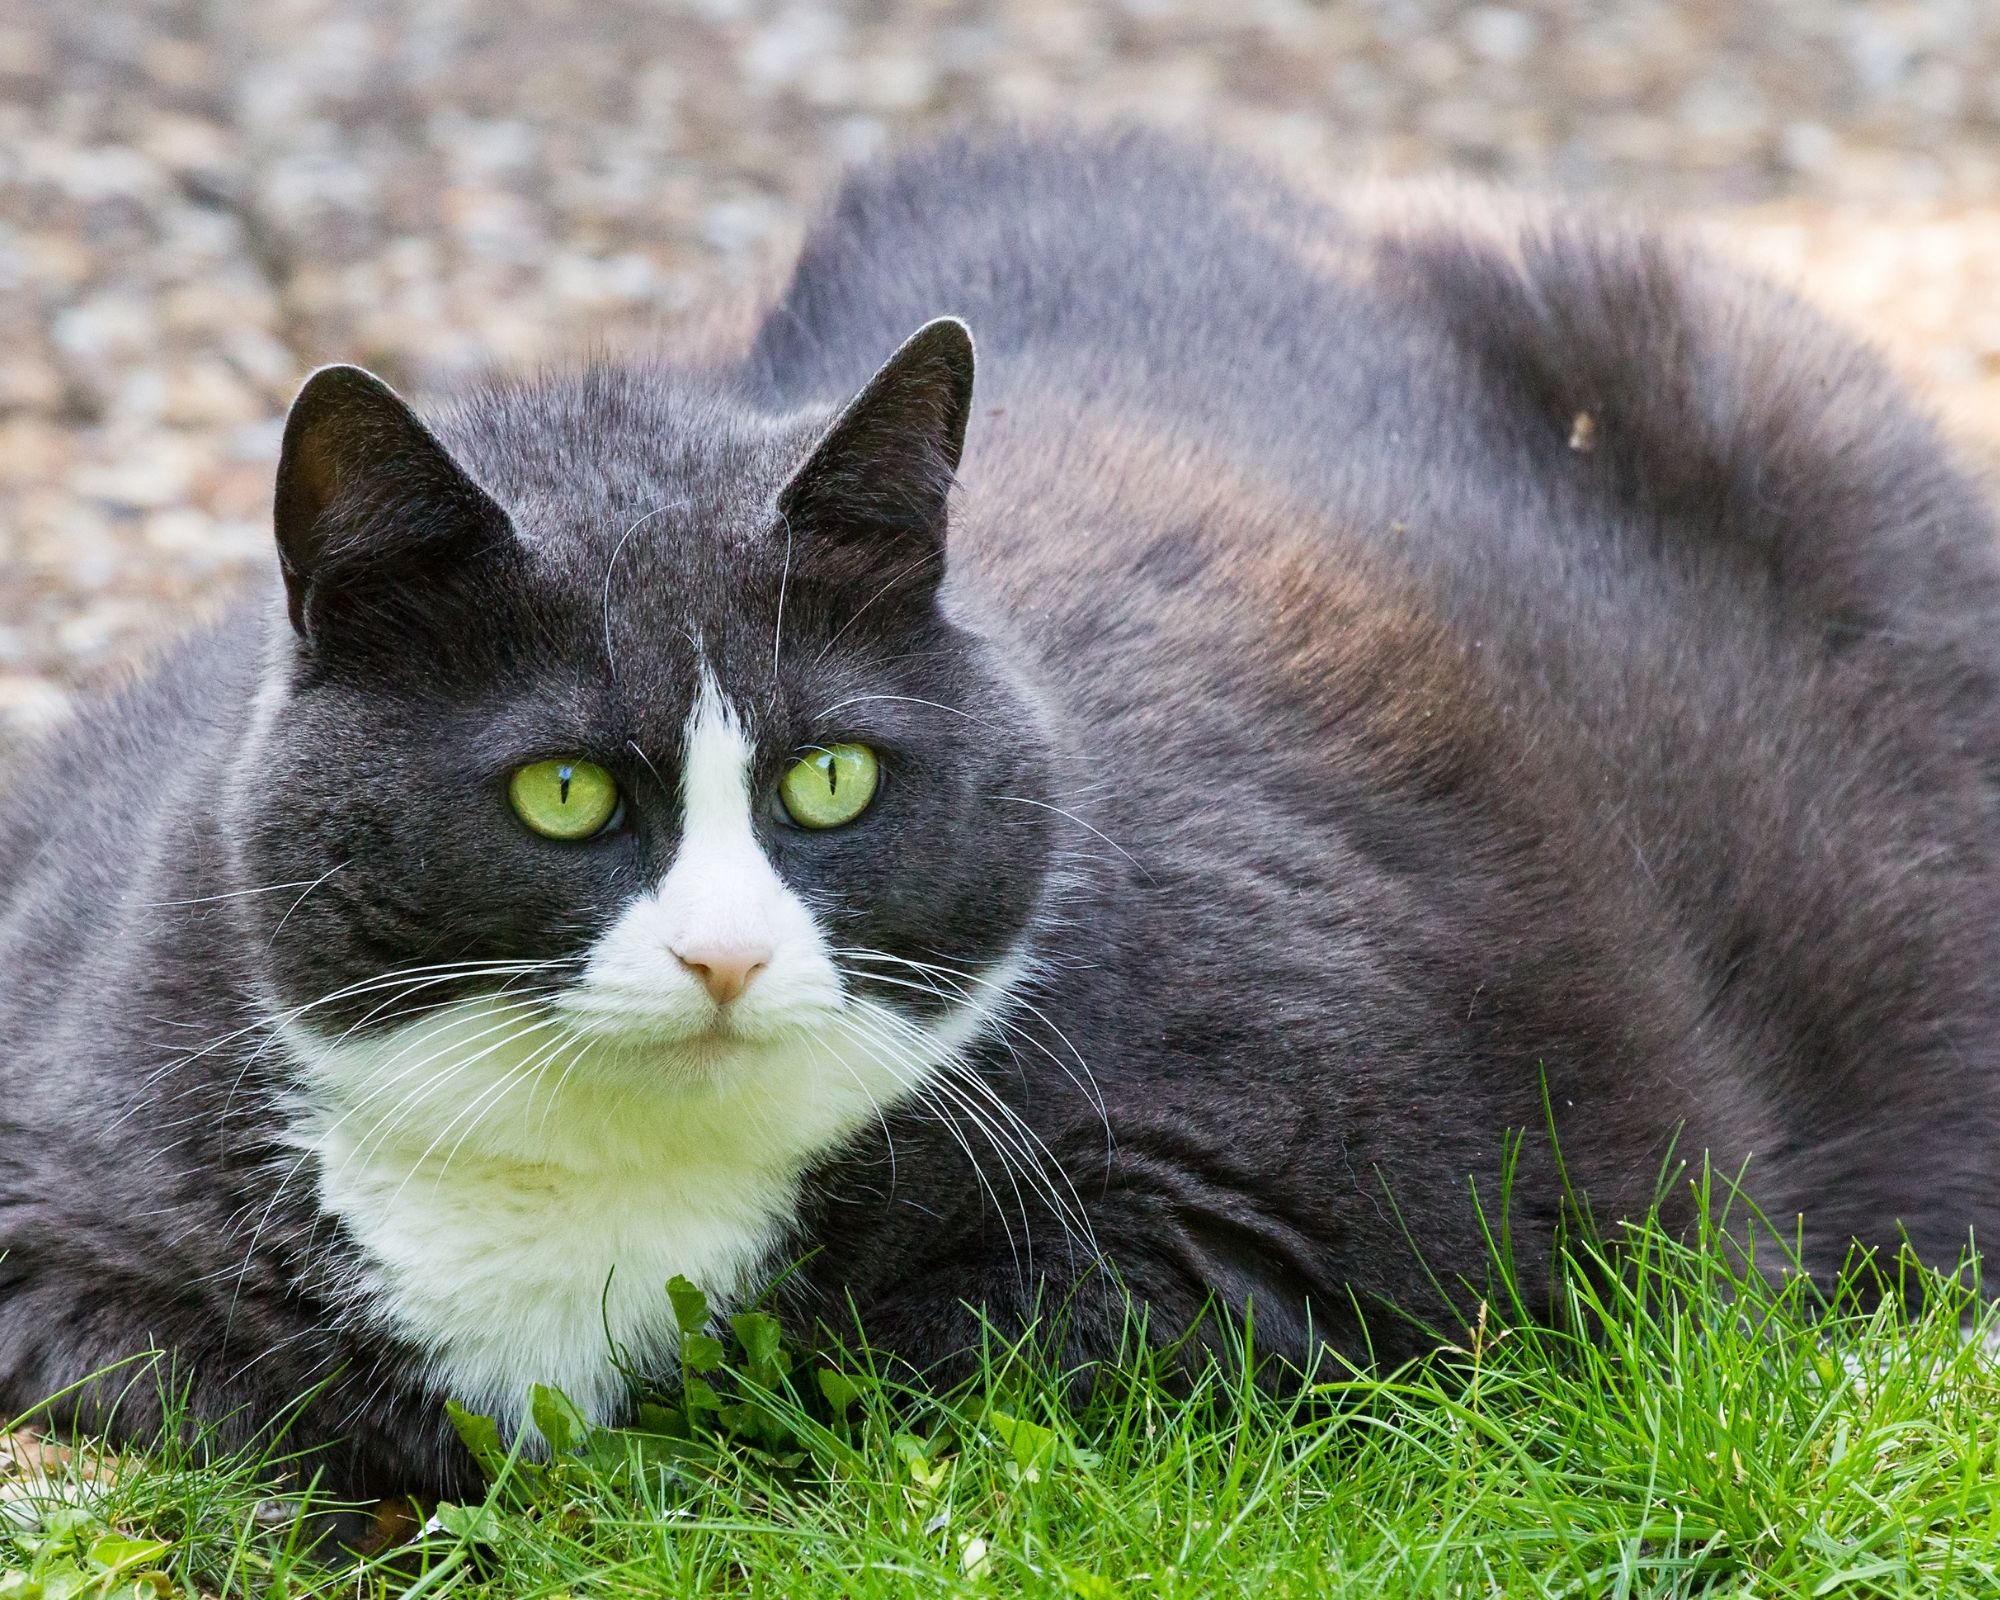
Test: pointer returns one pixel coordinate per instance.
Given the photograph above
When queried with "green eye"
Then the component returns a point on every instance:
(830, 786)
(563, 799)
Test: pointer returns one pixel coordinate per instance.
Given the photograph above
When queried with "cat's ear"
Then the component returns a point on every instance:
(870, 500)
(367, 498)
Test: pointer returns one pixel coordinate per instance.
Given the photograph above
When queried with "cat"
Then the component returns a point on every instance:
(1357, 679)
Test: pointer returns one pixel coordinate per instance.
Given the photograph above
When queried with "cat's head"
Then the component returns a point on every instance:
(643, 708)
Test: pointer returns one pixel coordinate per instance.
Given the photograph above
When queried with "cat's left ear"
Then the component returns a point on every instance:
(871, 498)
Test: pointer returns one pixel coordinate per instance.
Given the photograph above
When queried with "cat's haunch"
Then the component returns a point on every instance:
(1163, 819)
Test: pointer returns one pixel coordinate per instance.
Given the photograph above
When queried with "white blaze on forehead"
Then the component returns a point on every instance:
(721, 893)
(721, 890)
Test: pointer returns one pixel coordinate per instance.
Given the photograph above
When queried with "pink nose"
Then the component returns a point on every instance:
(724, 971)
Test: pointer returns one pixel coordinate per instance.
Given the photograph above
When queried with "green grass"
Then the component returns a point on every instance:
(1686, 1425)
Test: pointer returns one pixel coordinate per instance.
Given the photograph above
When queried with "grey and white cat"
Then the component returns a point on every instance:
(638, 838)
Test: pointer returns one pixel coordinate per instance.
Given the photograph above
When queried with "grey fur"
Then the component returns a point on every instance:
(1356, 756)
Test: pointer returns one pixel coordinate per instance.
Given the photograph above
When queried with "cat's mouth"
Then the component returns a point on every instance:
(702, 1030)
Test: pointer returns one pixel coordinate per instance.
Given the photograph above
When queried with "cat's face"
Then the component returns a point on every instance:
(643, 716)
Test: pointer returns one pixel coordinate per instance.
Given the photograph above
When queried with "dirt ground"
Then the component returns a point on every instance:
(201, 198)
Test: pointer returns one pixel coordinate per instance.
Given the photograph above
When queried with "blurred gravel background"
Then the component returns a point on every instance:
(199, 199)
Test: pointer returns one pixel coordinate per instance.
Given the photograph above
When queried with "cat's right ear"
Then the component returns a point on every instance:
(368, 500)
(871, 497)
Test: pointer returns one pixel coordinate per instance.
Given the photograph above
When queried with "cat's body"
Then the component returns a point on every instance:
(1399, 675)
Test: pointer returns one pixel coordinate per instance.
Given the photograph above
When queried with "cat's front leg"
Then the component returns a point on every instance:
(1073, 1312)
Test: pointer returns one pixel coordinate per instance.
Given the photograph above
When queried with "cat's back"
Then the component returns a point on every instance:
(1112, 265)
(1523, 415)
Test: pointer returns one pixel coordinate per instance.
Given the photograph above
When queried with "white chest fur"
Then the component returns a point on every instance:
(520, 1207)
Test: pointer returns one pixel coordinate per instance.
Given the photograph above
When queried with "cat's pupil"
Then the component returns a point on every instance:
(563, 777)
